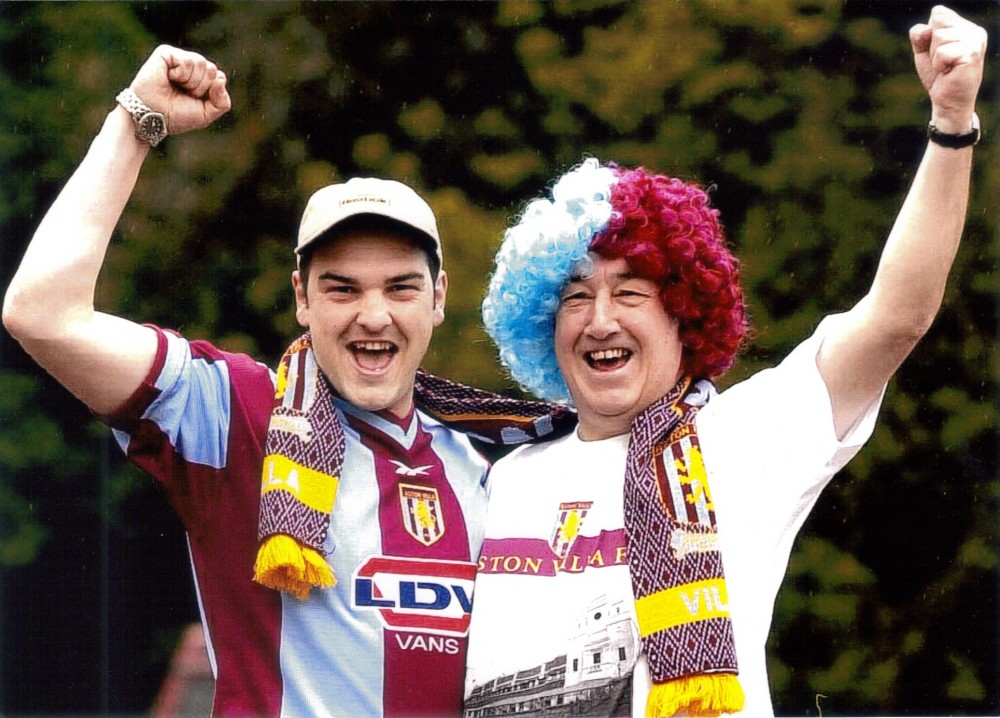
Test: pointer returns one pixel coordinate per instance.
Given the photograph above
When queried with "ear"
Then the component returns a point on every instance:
(301, 301)
(440, 294)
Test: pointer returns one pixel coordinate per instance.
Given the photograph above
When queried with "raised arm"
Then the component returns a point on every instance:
(864, 350)
(49, 306)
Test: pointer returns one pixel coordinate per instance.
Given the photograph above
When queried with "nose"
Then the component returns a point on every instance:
(373, 314)
(603, 321)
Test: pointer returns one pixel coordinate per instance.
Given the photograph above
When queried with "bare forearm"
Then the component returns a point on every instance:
(919, 252)
(876, 336)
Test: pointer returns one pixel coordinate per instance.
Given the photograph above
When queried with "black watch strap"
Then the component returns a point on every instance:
(955, 142)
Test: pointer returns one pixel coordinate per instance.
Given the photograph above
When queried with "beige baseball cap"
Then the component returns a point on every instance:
(335, 203)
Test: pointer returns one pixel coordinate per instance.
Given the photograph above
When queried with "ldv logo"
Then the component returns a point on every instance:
(415, 594)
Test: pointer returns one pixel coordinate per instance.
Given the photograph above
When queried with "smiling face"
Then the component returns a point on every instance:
(371, 305)
(616, 346)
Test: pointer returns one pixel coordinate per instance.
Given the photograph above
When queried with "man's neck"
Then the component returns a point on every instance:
(403, 422)
(599, 428)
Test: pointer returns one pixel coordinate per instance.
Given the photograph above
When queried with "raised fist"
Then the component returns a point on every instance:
(949, 52)
(187, 88)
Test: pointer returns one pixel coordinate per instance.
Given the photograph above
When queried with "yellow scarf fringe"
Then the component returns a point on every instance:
(286, 566)
(701, 695)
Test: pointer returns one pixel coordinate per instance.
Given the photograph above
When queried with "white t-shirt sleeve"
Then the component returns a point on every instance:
(770, 448)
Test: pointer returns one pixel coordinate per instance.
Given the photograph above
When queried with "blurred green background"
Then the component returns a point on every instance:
(806, 118)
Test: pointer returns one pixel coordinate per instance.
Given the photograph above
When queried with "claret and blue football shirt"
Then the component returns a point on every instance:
(390, 638)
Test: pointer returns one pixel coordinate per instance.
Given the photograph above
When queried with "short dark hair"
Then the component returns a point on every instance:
(372, 222)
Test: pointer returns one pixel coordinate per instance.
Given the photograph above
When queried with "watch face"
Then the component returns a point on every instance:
(152, 127)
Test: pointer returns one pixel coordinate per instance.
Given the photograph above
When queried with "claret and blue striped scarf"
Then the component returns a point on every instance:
(675, 562)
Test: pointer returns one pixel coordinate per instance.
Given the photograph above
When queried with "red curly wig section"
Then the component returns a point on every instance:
(667, 232)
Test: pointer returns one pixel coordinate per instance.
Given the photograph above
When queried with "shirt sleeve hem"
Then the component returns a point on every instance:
(144, 395)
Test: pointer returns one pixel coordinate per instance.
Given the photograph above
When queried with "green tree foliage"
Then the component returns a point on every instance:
(803, 116)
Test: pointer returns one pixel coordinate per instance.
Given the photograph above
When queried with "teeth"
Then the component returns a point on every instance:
(373, 346)
(605, 354)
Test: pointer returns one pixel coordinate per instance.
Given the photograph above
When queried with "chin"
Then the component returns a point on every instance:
(363, 399)
(615, 411)
(385, 400)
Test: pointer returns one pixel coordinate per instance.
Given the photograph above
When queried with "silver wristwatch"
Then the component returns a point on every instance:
(149, 125)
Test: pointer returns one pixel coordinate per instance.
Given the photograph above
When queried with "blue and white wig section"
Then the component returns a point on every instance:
(533, 264)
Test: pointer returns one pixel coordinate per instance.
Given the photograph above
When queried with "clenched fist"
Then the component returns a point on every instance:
(187, 88)
(949, 52)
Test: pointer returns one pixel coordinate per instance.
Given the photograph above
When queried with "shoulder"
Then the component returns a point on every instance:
(540, 450)
(795, 382)
(197, 377)
(202, 357)
(562, 459)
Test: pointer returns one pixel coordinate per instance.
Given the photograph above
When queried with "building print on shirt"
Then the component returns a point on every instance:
(591, 672)
(593, 677)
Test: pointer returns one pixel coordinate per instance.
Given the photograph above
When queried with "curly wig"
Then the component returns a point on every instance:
(666, 231)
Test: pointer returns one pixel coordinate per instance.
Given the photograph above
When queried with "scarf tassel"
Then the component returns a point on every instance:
(285, 565)
(699, 695)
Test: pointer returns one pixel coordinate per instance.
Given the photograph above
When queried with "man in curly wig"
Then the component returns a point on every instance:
(640, 555)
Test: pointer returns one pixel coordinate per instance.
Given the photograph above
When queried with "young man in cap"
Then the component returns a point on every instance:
(640, 556)
(333, 527)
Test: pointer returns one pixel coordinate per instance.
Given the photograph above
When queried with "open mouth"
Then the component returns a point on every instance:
(373, 355)
(608, 359)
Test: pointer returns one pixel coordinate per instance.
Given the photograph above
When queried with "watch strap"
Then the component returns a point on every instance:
(142, 114)
(955, 141)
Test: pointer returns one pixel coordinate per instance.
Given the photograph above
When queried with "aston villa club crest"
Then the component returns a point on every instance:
(683, 485)
(683, 482)
(569, 521)
(422, 515)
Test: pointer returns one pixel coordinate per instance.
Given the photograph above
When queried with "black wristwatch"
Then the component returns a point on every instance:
(955, 142)
(150, 126)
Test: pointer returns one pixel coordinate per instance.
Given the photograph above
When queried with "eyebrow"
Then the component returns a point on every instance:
(343, 279)
(408, 277)
(333, 277)
(619, 276)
